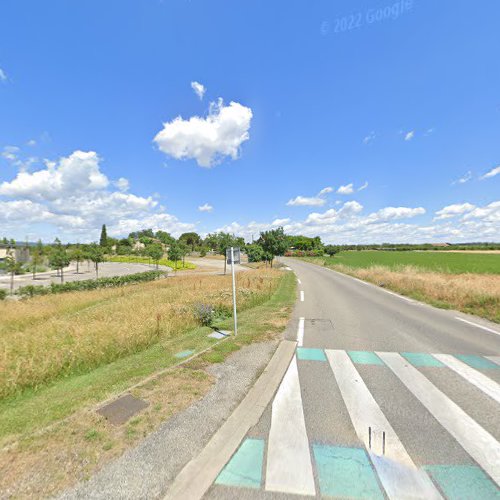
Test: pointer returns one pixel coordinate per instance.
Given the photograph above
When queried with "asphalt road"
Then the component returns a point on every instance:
(385, 398)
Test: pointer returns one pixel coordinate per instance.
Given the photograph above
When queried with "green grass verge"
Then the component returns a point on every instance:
(442, 262)
(136, 259)
(36, 409)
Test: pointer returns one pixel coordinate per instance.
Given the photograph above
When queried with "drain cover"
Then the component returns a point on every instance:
(120, 410)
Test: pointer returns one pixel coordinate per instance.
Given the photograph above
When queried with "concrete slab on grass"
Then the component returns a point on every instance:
(120, 410)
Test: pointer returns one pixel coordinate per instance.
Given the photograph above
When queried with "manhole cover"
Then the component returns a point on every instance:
(120, 410)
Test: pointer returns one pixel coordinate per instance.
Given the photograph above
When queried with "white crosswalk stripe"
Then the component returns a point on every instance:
(289, 467)
(478, 443)
(495, 359)
(482, 382)
(396, 470)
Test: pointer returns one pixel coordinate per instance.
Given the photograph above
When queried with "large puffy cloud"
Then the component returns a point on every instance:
(393, 213)
(75, 173)
(207, 140)
(454, 210)
(74, 197)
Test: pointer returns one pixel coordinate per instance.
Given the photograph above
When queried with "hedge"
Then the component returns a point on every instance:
(72, 286)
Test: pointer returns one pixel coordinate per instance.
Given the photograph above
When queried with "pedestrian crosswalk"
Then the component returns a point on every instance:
(383, 460)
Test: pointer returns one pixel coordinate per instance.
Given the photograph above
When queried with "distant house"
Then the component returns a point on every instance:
(440, 244)
(21, 254)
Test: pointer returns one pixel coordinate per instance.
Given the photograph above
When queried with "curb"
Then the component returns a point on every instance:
(198, 475)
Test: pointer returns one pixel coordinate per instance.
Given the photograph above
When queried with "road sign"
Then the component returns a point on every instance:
(237, 255)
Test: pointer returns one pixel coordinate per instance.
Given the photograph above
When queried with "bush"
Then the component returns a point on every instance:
(206, 314)
(72, 286)
(255, 253)
(3, 294)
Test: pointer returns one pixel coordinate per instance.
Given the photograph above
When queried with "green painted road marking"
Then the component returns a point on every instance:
(421, 359)
(463, 481)
(184, 354)
(345, 472)
(364, 358)
(307, 354)
(477, 362)
(245, 467)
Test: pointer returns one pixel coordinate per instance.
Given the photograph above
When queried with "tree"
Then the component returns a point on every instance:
(184, 249)
(103, 241)
(255, 253)
(59, 258)
(12, 267)
(36, 257)
(273, 242)
(191, 239)
(165, 237)
(77, 254)
(96, 255)
(331, 250)
(155, 251)
(175, 254)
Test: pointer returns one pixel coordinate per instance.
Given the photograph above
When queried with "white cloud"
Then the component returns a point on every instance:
(199, 89)
(122, 184)
(364, 186)
(349, 225)
(3, 75)
(491, 173)
(31, 142)
(75, 198)
(347, 189)
(205, 208)
(326, 190)
(369, 138)
(454, 210)
(393, 213)
(410, 135)
(305, 201)
(77, 172)
(207, 140)
(465, 178)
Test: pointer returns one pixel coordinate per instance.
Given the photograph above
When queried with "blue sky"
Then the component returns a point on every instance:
(99, 121)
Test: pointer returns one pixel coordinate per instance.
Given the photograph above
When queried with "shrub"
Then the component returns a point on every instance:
(3, 294)
(72, 286)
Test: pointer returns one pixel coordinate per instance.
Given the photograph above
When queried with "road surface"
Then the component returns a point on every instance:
(385, 398)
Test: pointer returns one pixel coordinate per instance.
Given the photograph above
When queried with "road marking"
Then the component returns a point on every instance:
(477, 362)
(399, 476)
(299, 282)
(482, 382)
(495, 359)
(476, 441)
(462, 481)
(364, 358)
(302, 295)
(245, 467)
(300, 332)
(307, 354)
(477, 326)
(421, 359)
(345, 472)
(289, 468)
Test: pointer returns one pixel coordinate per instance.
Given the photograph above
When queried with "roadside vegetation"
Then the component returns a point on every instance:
(136, 259)
(63, 355)
(463, 281)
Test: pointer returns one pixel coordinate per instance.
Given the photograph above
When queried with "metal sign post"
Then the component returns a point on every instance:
(233, 257)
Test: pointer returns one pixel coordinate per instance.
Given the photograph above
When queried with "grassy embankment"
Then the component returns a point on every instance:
(62, 355)
(464, 281)
(137, 259)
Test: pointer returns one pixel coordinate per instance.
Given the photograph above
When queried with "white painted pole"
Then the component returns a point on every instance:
(234, 293)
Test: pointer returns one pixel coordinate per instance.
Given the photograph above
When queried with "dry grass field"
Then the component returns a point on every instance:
(55, 336)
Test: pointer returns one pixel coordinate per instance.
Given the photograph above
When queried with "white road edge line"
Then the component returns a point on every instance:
(397, 472)
(289, 465)
(477, 326)
(482, 382)
(299, 282)
(300, 333)
(495, 359)
(475, 440)
(302, 295)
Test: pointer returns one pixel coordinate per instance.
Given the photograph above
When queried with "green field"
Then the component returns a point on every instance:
(136, 259)
(444, 262)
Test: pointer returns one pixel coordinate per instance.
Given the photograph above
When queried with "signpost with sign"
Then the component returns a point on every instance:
(233, 256)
